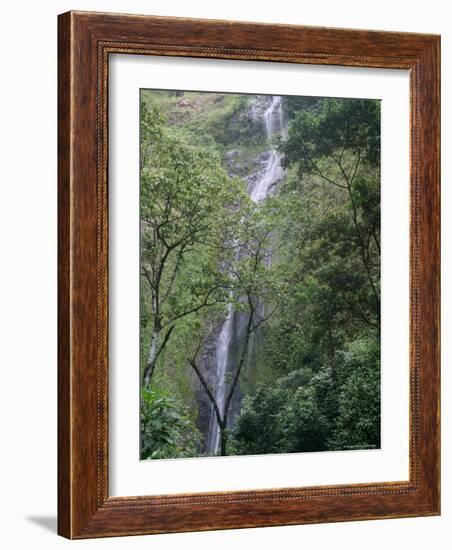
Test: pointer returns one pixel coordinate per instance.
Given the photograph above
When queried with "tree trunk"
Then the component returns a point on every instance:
(152, 357)
(223, 440)
(364, 258)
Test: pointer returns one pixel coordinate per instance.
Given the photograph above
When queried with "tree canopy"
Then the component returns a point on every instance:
(299, 274)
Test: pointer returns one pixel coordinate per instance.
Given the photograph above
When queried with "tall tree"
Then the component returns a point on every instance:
(340, 145)
(185, 199)
(255, 290)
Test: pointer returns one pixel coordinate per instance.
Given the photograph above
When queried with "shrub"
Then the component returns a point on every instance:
(166, 428)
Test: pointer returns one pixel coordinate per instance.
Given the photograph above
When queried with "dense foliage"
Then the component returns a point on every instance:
(328, 410)
(166, 428)
(302, 269)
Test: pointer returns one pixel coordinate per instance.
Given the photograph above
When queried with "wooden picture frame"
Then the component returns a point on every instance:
(85, 42)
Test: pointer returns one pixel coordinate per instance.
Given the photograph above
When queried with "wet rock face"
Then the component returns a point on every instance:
(233, 163)
(243, 127)
(261, 159)
(258, 106)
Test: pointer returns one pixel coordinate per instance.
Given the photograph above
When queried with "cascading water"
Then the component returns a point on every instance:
(223, 343)
(272, 172)
(273, 121)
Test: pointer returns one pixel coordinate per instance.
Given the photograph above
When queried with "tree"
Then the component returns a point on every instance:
(185, 199)
(255, 291)
(357, 422)
(340, 145)
(258, 429)
(331, 411)
(286, 418)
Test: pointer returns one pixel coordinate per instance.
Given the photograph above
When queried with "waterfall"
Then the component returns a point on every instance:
(223, 343)
(273, 121)
(272, 172)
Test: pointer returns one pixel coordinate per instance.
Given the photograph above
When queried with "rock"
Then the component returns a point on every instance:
(232, 164)
(259, 105)
(262, 158)
(232, 155)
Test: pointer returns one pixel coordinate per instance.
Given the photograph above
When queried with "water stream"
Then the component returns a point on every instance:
(222, 352)
(272, 119)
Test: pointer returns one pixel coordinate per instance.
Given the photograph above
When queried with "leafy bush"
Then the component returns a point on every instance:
(166, 428)
(308, 417)
(285, 419)
(336, 409)
(358, 418)
(258, 429)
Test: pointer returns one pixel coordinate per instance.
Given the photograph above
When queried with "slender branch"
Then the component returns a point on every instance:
(241, 362)
(174, 274)
(150, 366)
(362, 251)
(205, 303)
(339, 164)
(358, 160)
(163, 344)
(148, 277)
(264, 319)
(320, 173)
(377, 241)
(187, 237)
(209, 393)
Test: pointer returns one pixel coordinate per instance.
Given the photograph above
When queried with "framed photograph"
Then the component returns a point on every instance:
(248, 275)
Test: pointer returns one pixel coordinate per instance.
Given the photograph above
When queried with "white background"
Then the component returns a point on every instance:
(128, 475)
(28, 274)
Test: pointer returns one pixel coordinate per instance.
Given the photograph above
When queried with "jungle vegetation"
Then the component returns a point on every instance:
(300, 271)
